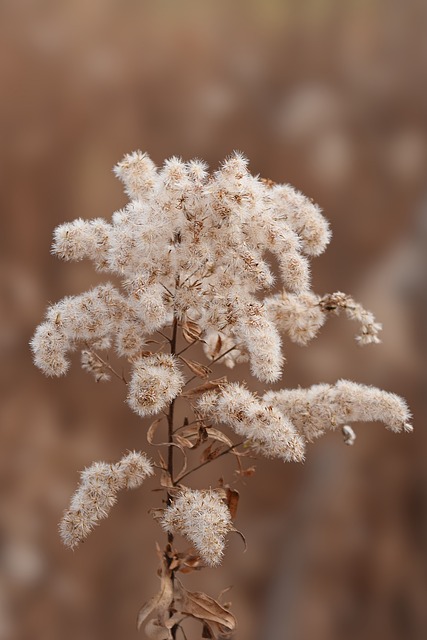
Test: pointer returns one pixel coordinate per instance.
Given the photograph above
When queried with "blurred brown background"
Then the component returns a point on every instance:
(329, 95)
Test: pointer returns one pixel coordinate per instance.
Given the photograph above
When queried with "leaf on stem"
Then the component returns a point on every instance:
(218, 620)
(191, 331)
(152, 430)
(160, 603)
(207, 386)
(198, 369)
(216, 434)
(210, 453)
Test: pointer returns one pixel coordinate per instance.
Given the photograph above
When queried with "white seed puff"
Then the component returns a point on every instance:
(97, 493)
(203, 518)
(185, 244)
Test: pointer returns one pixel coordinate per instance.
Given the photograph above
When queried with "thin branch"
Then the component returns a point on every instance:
(187, 424)
(214, 361)
(187, 347)
(164, 336)
(223, 354)
(106, 364)
(203, 464)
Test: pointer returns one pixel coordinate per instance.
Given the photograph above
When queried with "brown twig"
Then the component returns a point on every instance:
(106, 364)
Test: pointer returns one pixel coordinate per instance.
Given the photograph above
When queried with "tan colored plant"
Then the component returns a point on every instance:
(190, 248)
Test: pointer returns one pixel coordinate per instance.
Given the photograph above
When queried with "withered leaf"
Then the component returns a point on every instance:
(191, 331)
(165, 479)
(162, 461)
(173, 620)
(217, 349)
(245, 473)
(152, 430)
(241, 535)
(199, 605)
(232, 501)
(198, 369)
(216, 434)
(206, 386)
(157, 514)
(196, 434)
(183, 441)
(191, 563)
(210, 453)
(160, 603)
(156, 630)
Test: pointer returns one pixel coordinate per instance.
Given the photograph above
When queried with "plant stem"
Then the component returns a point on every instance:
(172, 405)
(203, 464)
(170, 417)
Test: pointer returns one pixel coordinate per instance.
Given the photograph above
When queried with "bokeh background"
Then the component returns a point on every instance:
(329, 95)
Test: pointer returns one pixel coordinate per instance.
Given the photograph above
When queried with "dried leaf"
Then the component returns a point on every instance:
(165, 479)
(157, 514)
(246, 473)
(196, 434)
(223, 592)
(183, 441)
(191, 563)
(198, 369)
(241, 535)
(217, 349)
(173, 620)
(156, 630)
(201, 606)
(210, 453)
(207, 386)
(152, 430)
(216, 434)
(160, 603)
(162, 461)
(191, 331)
(232, 501)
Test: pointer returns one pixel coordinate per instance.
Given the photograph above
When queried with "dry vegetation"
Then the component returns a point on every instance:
(331, 99)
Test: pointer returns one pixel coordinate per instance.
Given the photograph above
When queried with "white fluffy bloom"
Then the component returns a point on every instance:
(97, 493)
(191, 245)
(83, 239)
(155, 381)
(326, 406)
(300, 316)
(268, 430)
(138, 174)
(50, 345)
(203, 518)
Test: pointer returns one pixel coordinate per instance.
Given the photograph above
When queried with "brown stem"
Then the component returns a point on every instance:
(170, 417)
(106, 364)
(202, 464)
(214, 361)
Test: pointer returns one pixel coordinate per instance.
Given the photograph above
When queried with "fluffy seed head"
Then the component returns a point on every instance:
(203, 518)
(156, 380)
(97, 493)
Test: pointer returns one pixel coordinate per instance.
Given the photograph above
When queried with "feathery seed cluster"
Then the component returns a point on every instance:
(203, 518)
(96, 494)
(190, 249)
(155, 382)
(326, 406)
(189, 245)
(269, 431)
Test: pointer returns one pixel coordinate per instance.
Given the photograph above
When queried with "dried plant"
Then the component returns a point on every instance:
(190, 248)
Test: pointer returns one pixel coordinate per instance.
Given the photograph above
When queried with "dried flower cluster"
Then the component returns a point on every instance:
(191, 251)
(269, 431)
(204, 518)
(96, 494)
(326, 406)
